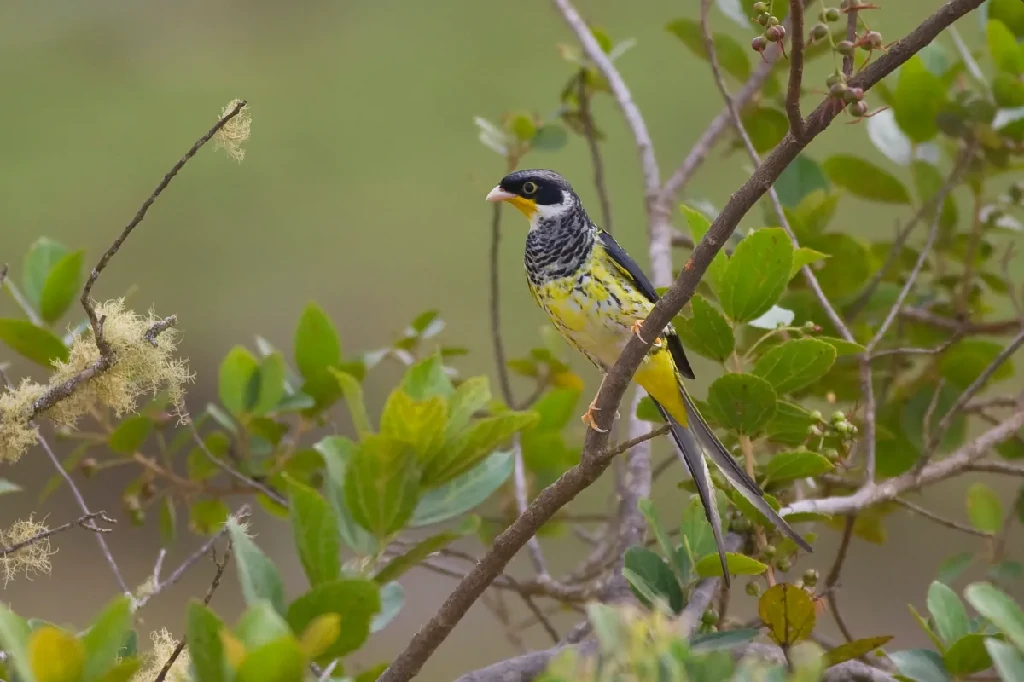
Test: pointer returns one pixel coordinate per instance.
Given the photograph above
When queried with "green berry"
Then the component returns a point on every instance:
(845, 48)
(872, 40)
(838, 416)
(760, 7)
(837, 90)
(830, 454)
(810, 577)
(88, 466)
(773, 20)
(775, 33)
(814, 430)
(783, 564)
(763, 18)
(831, 14)
(817, 416)
(710, 617)
(837, 77)
(759, 44)
(853, 95)
(819, 32)
(769, 551)
(753, 589)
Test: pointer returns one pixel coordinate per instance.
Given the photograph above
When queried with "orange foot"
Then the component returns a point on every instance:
(588, 418)
(635, 328)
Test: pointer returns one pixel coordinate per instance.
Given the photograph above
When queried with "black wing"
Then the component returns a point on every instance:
(644, 286)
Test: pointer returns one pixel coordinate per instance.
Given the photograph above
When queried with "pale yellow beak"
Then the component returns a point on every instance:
(498, 194)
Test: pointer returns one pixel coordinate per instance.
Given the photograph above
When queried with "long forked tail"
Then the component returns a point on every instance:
(693, 442)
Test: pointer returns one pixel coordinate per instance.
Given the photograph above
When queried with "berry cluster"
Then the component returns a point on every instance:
(774, 32)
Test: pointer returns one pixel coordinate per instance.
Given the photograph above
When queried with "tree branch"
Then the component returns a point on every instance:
(595, 457)
(82, 521)
(796, 67)
(942, 521)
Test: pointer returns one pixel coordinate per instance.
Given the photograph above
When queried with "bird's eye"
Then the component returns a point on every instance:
(529, 187)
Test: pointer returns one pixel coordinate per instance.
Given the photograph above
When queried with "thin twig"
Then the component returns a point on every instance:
(702, 595)
(159, 586)
(942, 521)
(929, 318)
(796, 67)
(86, 299)
(85, 510)
(597, 163)
(535, 610)
(851, 36)
(832, 579)
(82, 521)
(496, 338)
(231, 471)
(595, 458)
(522, 502)
(221, 565)
(997, 467)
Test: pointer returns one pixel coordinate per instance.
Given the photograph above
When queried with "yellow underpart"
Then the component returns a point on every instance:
(594, 310)
(527, 206)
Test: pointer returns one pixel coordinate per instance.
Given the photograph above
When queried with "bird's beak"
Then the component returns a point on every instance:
(498, 194)
(527, 207)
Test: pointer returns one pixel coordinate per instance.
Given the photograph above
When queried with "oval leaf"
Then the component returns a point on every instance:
(657, 578)
(855, 649)
(710, 566)
(354, 601)
(948, 613)
(795, 364)
(757, 274)
(35, 343)
(706, 332)
(382, 484)
(865, 179)
(789, 466)
(743, 403)
(61, 286)
(984, 508)
(788, 612)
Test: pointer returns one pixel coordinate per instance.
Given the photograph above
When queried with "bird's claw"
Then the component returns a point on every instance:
(635, 328)
(588, 418)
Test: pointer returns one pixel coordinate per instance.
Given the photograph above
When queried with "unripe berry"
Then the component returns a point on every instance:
(147, 490)
(88, 467)
(773, 20)
(832, 14)
(872, 41)
(853, 95)
(775, 33)
(857, 109)
(769, 551)
(759, 44)
(760, 7)
(819, 32)
(1016, 192)
(836, 77)
(844, 47)
(817, 416)
(763, 18)
(837, 90)
(814, 430)
(710, 617)
(838, 416)
(753, 589)
(810, 577)
(783, 564)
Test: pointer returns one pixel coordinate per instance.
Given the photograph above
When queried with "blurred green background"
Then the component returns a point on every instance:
(362, 189)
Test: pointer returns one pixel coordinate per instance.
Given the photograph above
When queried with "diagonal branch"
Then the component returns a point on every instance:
(85, 521)
(596, 457)
(796, 68)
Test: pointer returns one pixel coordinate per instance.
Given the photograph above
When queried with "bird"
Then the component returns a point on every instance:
(596, 296)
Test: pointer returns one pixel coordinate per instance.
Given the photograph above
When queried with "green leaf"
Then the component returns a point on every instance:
(471, 395)
(239, 381)
(706, 332)
(272, 376)
(864, 179)
(789, 466)
(953, 567)
(717, 641)
(464, 492)
(813, 212)
(550, 137)
(984, 508)
(916, 101)
(966, 360)
(42, 256)
(655, 575)
(731, 55)
(789, 425)
(926, 627)
(8, 487)
(1007, 55)
(474, 444)
(35, 343)
(392, 598)
(999, 609)
(355, 601)
(260, 624)
(382, 484)
(55, 655)
(855, 649)
(647, 410)
(206, 517)
(1010, 13)
(757, 274)
(916, 408)
(842, 346)
(555, 408)
(795, 364)
(315, 531)
(61, 286)
(800, 178)
(928, 182)
(353, 392)
(920, 665)
(14, 633)
(948, 613)
(696, 529)
(427, 379)
(256, 572)
(699, 226)
(1009, 662)
(805, 256)
(646, 508)
(123, 671)
(766, 126)
(420, 424)
(278, 661)
(710, 566)
(967, 655)
(337, 452)
(206, 651)
(743, 403)
(317, 346)
(130, 434)
(424, 548)
(788, 612)
(849, 266)
(106, 636)
(168, 521)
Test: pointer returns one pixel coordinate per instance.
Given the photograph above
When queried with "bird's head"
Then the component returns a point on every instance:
(539, 194)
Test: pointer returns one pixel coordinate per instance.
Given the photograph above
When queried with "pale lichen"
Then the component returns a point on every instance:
(140, 366)
(153, 661)
(17, 434)
(32, 558)
(235, 132)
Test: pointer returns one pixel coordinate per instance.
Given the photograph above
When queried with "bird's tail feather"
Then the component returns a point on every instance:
(735, 473)
(690, 451)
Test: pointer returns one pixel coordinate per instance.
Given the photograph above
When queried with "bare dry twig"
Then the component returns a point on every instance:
(85, 521)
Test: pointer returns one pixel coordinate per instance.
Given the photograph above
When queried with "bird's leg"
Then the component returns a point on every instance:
(635, 328)
(588, 416)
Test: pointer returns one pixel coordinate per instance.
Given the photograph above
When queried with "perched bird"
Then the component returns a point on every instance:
(597, 296)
